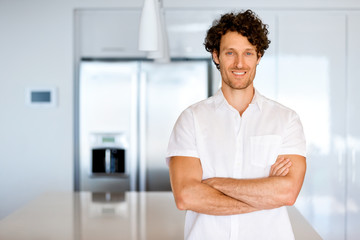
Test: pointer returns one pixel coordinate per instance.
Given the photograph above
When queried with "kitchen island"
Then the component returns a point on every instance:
(109, 216)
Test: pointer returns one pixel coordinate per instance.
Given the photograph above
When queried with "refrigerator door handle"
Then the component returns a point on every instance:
(142, 129)
(133, 163)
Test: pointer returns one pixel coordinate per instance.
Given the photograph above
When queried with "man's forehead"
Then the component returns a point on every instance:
(235, 40)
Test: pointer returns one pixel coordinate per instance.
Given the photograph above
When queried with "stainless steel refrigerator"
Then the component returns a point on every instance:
(126, 111)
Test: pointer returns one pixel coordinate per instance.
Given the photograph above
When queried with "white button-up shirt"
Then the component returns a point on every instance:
(234, 146)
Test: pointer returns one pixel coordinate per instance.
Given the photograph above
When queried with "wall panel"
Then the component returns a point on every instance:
(312, 81)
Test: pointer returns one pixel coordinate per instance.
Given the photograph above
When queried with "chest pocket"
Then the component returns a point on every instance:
(264, 149)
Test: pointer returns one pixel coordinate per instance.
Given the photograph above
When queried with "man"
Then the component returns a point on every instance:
(237, 158)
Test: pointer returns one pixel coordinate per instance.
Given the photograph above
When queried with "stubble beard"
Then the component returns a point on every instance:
(236, 85)
(244, 83)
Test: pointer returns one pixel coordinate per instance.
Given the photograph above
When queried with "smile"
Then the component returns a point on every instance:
(239, 73)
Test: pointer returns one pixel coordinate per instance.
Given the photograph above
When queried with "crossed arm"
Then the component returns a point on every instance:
(227, 196)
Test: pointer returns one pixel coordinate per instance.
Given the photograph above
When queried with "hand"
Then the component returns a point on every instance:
(280, 168)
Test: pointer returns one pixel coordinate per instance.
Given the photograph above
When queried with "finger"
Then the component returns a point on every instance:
(285, 172)
(280, 165)
(279, 169)
(277, 162)
(286, 167)
(279, 159)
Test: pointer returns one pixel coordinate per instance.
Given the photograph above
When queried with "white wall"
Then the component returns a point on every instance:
(36, 145)
(36, 50)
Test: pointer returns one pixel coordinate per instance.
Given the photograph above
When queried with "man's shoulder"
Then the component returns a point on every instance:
(199, 111)
(276, 107)
(205, 104)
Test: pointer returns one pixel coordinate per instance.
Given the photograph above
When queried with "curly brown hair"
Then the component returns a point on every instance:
(247, 23)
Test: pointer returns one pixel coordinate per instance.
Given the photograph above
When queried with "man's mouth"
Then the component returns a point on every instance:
(239, 73)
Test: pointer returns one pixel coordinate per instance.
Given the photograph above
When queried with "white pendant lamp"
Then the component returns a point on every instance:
(149, 27)
(152, 31)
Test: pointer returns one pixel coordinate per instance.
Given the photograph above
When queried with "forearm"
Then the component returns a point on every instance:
(262, 193)
(191, 194)
(277, 190)
(202, 198)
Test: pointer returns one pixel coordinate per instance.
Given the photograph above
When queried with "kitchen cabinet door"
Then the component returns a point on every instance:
(266, 77)
(107, 33)
(353, 154)
(186, 31)
(312, 81)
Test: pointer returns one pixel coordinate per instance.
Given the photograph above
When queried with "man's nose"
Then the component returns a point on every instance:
(239, 61)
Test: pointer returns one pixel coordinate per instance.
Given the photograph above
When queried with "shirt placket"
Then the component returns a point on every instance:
(239, 147)
(237, 172)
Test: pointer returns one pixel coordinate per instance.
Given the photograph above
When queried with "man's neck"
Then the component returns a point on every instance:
(239, 99)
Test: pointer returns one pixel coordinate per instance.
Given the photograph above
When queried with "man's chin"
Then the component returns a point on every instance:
(240, 87)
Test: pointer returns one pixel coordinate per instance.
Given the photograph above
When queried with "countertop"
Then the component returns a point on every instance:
(93, 216)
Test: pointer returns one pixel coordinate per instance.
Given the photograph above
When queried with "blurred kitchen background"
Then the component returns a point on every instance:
(82, 109)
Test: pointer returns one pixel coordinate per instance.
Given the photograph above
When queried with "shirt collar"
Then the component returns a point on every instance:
(258, 99)
(220, 100)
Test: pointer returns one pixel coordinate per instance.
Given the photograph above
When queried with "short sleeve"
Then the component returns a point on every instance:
(182, 139)
(294, 138)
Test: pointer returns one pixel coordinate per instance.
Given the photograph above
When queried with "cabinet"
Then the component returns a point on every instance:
(319, 76)
(353, 136)
(108, 33)
(266, 72)
(186, 32)
(312, 81)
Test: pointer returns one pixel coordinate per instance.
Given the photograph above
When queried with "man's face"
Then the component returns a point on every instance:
(237, 59)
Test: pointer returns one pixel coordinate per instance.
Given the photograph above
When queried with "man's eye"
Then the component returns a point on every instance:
(249, 53)
(229, 53)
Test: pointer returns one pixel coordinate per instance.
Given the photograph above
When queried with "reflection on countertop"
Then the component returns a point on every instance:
(107, 216)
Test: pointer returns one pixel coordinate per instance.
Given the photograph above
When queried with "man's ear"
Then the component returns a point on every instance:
(215, 57)
(258, 60)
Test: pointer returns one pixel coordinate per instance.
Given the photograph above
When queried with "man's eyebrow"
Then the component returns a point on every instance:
(250, 49)
(229, 48)
(246, 49)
